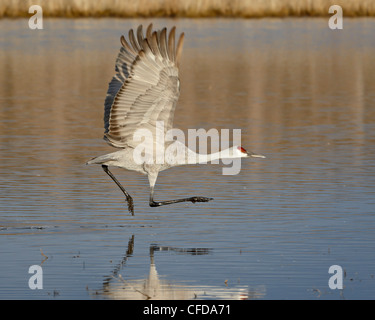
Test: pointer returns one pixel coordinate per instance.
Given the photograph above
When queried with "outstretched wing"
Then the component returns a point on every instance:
(145, 88)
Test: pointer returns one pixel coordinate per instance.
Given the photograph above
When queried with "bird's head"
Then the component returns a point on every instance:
(242, 153)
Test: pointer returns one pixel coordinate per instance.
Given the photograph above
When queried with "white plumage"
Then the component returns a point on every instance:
(144, 92)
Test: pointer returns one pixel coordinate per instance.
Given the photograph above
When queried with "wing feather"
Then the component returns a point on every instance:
(163, 43)
(145, 88)
(133, 41)
(171, 44)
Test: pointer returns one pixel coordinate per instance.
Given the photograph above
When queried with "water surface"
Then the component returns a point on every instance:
(302, 95)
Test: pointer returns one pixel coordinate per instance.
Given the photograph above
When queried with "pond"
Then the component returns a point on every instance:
(301, 94)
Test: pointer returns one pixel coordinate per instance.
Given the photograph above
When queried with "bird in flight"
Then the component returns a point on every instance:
(142, 94)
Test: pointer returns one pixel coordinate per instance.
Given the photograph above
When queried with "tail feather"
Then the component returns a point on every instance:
(100, 159)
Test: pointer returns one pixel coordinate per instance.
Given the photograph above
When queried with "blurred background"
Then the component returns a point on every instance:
(186, 8)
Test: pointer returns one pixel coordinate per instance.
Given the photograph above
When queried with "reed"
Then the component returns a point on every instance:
(186, 8)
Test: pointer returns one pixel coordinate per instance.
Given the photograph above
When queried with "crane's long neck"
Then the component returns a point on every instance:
(195, 158)
(209, 157)
(179, 154)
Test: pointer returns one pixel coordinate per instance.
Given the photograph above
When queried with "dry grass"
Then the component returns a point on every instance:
(186, 8)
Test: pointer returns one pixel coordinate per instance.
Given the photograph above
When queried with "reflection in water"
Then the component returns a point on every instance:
(156, 287)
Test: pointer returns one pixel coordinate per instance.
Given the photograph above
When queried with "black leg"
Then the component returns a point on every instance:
(163, 203)
(129, 199)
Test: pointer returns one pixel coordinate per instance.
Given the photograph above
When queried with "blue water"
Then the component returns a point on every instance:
(301, 94)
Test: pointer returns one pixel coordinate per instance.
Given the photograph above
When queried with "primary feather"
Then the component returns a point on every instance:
(145, 88)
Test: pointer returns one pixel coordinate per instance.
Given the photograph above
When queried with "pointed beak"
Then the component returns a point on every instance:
(251, 154)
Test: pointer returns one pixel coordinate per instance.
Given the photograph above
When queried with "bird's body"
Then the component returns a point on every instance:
(121, 158)
(142, 94)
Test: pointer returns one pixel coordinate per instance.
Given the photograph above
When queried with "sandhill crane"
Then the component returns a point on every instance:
(143, 92)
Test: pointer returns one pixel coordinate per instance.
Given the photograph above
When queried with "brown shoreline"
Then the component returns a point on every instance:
(187, 8)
